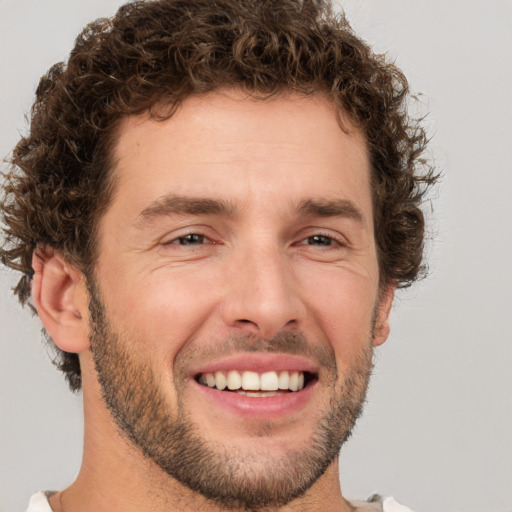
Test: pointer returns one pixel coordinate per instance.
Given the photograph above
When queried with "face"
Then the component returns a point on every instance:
(235, 300)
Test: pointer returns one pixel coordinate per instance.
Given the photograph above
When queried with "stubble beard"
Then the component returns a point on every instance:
(231, 479)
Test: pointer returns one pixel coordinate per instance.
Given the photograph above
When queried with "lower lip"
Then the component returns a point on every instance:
(271, 407)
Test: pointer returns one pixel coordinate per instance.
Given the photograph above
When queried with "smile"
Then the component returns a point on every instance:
(251, 383)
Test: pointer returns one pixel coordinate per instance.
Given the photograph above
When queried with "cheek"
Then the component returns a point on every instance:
(343, 308)
(160, 310)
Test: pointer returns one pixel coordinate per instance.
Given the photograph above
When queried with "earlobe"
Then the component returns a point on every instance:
(60, 298)
(381, 329)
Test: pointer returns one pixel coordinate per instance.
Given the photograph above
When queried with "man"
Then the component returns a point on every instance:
(211, 213)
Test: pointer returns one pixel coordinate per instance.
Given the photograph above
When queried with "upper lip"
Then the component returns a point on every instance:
(257, 362)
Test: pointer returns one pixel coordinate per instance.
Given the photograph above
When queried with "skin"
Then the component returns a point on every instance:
(257, 272)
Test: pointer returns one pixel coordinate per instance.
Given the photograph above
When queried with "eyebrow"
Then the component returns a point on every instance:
(332, 208)
(174, 204)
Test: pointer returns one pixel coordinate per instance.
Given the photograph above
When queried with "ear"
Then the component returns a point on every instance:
(381, 329)
(60, 297)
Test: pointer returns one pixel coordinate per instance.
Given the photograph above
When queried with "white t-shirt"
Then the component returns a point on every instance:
(39, 503)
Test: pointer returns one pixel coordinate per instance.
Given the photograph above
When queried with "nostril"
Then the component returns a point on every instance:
(245, 321)
(248, 326)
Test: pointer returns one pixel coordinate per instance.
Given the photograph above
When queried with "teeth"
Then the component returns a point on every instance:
(234, 380)
(300, 382)
(220, 381)
(252, 381)
(294, 381)
(284, 380)
(260, 394)
(210, 380)
(269, 381)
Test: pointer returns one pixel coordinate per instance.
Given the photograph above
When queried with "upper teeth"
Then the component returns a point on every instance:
(253, 381)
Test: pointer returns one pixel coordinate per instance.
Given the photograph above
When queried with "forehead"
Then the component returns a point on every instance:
(228, 144)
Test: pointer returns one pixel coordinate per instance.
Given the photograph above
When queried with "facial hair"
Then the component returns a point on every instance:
(232, 479)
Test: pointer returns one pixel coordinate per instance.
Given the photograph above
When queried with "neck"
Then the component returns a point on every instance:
(87, 494)
(115, 475)
(108, 482)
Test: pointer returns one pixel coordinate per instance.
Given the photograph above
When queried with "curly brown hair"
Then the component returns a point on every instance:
(156, 53)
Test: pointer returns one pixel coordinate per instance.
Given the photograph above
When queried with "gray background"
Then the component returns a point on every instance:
(437, 430)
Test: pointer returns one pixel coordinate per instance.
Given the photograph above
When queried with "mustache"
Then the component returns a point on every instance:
(285, 342)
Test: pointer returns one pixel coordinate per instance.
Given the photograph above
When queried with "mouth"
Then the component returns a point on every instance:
(257, 384)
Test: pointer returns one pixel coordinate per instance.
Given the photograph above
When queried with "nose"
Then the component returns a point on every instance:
(262, 293)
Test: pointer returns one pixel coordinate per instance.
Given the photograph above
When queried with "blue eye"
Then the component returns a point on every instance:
(320, 240)
(191, 239)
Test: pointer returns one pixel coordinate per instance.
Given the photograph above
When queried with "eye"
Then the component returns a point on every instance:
(320, 240)
(329, 246)
(190, 239)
